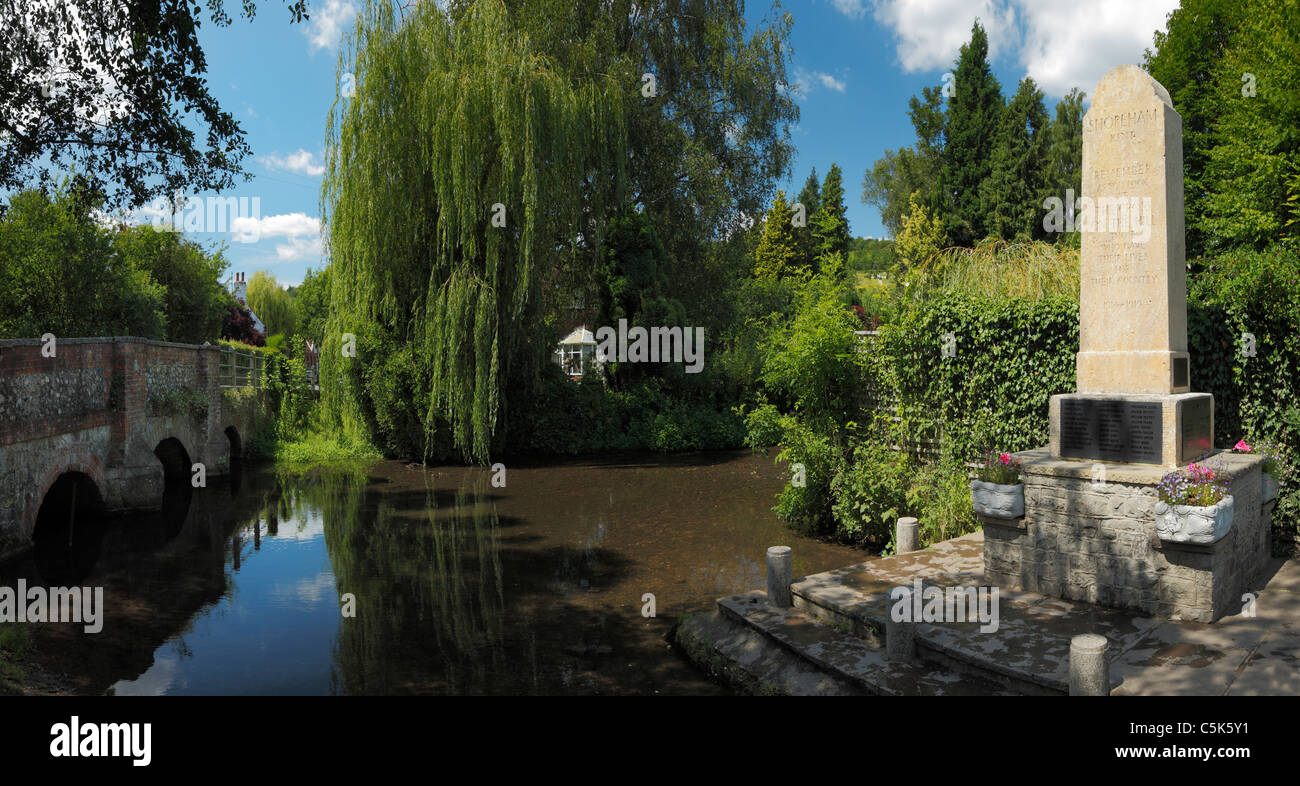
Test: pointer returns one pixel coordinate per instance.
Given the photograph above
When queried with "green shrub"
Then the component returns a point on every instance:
(871, 492)
(569, 418)
(1256, 397)
(1009, 358)
(186, 401)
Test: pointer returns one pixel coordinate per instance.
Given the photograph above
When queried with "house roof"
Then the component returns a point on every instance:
(580, 335)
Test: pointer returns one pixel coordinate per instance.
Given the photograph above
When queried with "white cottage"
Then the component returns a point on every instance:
(576, 353)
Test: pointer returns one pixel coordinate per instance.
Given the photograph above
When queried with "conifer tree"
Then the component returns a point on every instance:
(831, 224)
(973, 122)
(810, 198)
(778, 251)
(1010, 194)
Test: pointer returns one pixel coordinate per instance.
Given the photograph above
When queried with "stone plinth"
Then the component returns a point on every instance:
(1167, 431)
(1097, 542)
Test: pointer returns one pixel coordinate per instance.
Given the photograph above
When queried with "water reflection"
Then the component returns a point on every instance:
(459, 587)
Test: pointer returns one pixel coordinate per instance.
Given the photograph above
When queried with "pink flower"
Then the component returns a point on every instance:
(1005, 458)
(1241, 445)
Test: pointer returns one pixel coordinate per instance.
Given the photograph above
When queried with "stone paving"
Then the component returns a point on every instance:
(1238, 655)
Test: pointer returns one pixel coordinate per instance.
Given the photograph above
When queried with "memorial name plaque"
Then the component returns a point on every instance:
(1111, 430)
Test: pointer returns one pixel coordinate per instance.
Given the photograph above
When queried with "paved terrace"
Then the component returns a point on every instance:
(831, 641)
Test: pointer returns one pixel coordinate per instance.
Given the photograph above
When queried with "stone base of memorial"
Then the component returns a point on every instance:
(1097, 542)
(1270, 488)
(1169, 431)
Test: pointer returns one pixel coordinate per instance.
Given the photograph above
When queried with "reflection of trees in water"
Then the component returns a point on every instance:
(717, 580)
(425, 568)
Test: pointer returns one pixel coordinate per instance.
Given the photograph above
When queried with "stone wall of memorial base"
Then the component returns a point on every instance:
(1096, 542)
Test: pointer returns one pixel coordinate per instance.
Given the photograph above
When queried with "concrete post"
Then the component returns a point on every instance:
(900, 636)
(905, 535)
(780, 572)
(1089, 671)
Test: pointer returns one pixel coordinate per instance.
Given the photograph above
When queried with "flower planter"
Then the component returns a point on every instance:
(998, 501)
(1269, 487)
(1191, 524)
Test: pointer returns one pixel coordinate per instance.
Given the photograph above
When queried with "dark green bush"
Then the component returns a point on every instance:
(1010, 357)
(569, 418)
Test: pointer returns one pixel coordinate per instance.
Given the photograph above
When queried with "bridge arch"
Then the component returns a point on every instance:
(175, 460)
(236, 443)
(85, 468)
(68, 529)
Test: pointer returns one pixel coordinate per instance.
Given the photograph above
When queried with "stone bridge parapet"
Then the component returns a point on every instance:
(124, 412)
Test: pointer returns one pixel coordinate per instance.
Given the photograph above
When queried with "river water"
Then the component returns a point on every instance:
(383, 578)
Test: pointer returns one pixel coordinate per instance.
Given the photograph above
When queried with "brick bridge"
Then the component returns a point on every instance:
(105, 424)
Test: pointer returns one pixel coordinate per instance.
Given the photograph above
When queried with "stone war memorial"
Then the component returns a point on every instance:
(1089, 528)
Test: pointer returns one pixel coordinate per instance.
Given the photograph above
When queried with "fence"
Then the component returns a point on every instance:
(239, 368)
(873, 398)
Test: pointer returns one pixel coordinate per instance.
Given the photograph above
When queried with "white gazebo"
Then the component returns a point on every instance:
(576, 353)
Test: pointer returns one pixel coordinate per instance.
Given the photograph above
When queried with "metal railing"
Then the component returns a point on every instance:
(239, 368)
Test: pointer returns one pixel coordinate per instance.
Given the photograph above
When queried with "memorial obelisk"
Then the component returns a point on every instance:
(1133, 402)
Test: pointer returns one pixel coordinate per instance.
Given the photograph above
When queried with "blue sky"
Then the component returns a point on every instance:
(857, 61)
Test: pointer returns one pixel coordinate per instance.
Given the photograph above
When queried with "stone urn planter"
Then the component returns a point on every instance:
(1269, 487)
(998, 501)
(1192, 524)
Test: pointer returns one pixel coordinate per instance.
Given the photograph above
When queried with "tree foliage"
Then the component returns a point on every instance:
(778, 253)
(67, 272)
(193, 299)
(457, 178)
(1185, 61)
(830, 224)
(117, 92)
(971, 129)
(272, 304)
(1011, 194)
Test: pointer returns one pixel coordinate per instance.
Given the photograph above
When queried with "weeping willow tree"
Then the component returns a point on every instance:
(463, 168)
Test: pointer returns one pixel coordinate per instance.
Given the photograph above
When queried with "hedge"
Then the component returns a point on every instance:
(1011, 356)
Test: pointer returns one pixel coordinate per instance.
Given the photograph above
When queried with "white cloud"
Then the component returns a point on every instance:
(299, 248)
(850, 7)
(1060, 44)
(1074, 46)
(930, 32)
(327, 22)
(300, 231)
(301, 162)
(812, 79)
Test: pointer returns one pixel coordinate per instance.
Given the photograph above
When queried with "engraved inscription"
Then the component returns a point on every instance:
(1112, 430)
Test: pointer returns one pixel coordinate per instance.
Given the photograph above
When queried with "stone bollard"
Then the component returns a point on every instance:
(900, 636)
(1089, 671)
(780, 572)
(905, 535)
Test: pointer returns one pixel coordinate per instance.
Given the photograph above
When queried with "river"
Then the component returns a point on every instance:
(384, 578)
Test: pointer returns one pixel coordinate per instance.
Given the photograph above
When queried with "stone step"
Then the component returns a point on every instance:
(1029, 653)
(847, 657)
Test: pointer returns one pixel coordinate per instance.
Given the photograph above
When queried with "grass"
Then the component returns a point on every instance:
(998, 269)
(312, 447)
